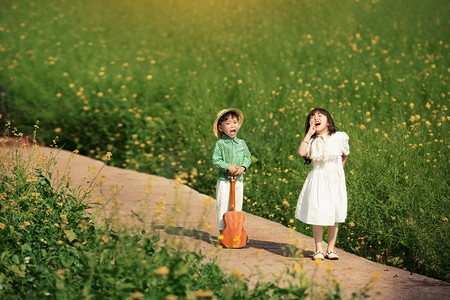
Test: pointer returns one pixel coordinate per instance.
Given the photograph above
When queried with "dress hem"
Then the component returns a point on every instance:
(316, 224)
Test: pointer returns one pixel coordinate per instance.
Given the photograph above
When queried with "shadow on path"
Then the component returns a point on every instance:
(281, 249)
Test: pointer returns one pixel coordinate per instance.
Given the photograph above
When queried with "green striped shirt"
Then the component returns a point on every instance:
(230, 152)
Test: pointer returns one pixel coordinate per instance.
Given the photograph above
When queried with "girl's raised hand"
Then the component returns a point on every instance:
(311, 130)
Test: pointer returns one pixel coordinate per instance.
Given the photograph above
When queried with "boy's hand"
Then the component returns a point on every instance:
(239, 171)
(232, 170)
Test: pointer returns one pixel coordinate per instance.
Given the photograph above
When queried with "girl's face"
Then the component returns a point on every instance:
(319, 122)
(230, 127)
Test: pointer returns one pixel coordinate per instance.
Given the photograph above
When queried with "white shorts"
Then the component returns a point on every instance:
(223, 199)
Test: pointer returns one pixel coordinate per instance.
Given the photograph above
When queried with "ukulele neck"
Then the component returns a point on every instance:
(232, 193)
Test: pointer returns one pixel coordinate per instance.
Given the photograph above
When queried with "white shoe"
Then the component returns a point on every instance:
(332, 255)
(318, 255)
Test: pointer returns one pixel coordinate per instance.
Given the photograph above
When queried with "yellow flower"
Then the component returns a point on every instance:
(237, 273)
(378, 75)
(107, 156)
(220, 237)
(149, 77)
(180, 178)
(60, 273)
(297, 268)
(329, 267)
(204, 294)
(362, 127)
(163, 270)
(375, 276)
(318, 262)
(2, 226)
(137, 295)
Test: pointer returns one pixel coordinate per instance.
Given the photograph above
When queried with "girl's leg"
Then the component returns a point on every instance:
(318, 232)
(332, 236)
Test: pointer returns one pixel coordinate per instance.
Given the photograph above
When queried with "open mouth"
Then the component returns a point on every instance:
(317, 123)
(233, 131)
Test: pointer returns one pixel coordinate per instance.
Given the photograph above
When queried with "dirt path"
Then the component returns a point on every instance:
(271, 244)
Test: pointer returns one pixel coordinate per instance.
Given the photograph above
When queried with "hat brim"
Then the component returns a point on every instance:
(216, 130)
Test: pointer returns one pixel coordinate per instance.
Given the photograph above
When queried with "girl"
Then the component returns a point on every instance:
(323, 199)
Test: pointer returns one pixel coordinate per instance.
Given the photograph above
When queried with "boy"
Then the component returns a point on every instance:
(232, 157)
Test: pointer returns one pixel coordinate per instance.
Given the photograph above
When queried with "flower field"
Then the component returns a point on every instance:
(144, 80)
(53, 247)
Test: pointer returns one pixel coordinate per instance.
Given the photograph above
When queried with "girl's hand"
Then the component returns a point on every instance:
(311, 130)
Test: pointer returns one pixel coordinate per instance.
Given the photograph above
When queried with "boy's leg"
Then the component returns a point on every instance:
(239, 194)
(222, 201)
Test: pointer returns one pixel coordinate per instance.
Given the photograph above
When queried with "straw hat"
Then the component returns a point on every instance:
(216, 130)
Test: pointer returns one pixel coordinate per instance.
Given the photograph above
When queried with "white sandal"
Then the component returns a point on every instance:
(318, 255)
(332, 255)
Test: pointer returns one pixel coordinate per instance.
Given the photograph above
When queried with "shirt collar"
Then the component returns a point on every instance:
(228, 139)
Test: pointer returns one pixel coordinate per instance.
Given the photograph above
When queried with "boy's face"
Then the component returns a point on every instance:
(230, 127)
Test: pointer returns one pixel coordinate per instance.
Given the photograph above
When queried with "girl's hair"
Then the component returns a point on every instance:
(331, 127)
(226, 116)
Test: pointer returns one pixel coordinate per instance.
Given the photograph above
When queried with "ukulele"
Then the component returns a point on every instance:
(234, 235)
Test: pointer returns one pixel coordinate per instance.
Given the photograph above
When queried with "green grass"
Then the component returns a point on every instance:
(54, 247)
(145, 79)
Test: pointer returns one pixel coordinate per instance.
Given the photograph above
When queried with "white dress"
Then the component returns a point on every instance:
(323, 199)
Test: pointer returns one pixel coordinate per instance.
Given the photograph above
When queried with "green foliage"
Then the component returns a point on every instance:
(51, 247)
(144, 79)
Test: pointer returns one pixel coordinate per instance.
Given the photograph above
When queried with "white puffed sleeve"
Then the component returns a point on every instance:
(344, 143)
